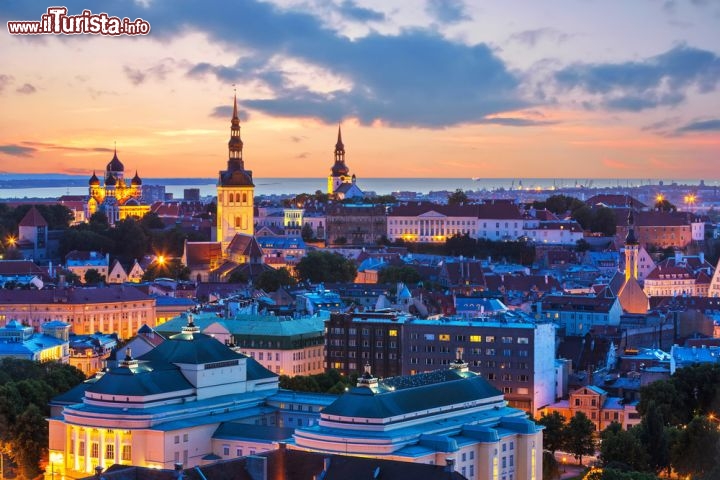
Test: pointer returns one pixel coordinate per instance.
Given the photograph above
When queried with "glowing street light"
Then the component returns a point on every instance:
(11, 240)
(161, 260)
(660, 197)
(55, 457)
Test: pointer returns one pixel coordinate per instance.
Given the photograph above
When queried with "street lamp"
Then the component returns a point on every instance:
(55, 457)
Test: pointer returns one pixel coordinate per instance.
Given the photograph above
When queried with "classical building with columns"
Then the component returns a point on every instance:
(113, 309)
(190, 400)
(448, 417)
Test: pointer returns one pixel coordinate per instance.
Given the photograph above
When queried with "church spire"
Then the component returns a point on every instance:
(235, 145)
(339, 169)
(339, 145)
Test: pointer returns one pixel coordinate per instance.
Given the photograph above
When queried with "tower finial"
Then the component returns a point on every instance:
(115, 144)
(235, 112)
(339, 135)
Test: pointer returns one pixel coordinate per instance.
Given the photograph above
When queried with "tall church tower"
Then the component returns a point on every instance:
(339, 173)
(632, 248)
(235, 191)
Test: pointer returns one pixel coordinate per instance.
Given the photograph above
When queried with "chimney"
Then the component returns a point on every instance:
(449, 464)
(546, 279)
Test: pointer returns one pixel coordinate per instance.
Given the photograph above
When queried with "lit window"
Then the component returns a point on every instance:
(475, 338)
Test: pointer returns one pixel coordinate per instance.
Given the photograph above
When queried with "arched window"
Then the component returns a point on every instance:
(237, 198)
(237, 222)
(244, 198)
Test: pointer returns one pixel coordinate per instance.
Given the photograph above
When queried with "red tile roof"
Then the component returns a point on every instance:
(33, 218)
(202, 253)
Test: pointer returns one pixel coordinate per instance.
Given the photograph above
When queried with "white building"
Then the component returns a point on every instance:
(442, 417)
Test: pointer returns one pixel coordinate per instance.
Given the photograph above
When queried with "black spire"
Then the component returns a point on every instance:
(339, 168)
(235, 145)
(630, 238)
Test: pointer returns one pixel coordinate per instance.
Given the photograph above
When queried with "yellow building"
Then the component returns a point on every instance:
(115, 197)
(113, 309)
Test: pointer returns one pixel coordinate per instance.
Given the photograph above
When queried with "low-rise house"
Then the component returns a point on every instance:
(80, 261)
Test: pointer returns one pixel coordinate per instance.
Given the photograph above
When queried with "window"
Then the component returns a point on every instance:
(507, 339)
(177, 439)
(491, 376)
(110, 451)
(444, 337)
(81, 448)
(226, 449)
(127, 452)
(185, 437)
(429, 336)
(490, 351)
(472, 470)
(490, 338)
(464, 456)
(475, 338)
(507, 352)
(392, 333)
(239, 452)
(577, 402)
(95, 450)
(522, 340)
(507, 390)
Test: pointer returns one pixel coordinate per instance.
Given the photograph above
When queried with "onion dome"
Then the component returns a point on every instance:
(136, 180)
(115, 164)
(94, 180)
(110, 180)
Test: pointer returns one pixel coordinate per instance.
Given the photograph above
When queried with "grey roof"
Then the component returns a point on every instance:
(412, 393)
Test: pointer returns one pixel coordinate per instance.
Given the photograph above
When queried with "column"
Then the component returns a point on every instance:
(101, 453)
(76, 449)
(88, 465)
(117, 447)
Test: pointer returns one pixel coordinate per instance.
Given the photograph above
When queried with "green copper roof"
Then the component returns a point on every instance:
(386, 402)
(140, 381)
(191, 348)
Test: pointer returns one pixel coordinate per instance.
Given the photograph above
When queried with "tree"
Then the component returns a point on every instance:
(551, 468)
(654, 437)
(622, 447)
(93, 277)
(171, 268)
(405, 274)
(560, 204)
(553, 434)
(579, 436)
(664, 205)
(458, 197)
(307, 232)
(604, 221)
(271, 280)
(323, 266)
(582, 245)
(99, 221)
(690, 454)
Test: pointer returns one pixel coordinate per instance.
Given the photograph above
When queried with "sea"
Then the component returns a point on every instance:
(31, 186)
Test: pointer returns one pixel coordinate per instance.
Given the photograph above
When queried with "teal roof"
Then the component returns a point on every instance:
(273, 328)
(140, 381)
(191, 348)
(412, 393)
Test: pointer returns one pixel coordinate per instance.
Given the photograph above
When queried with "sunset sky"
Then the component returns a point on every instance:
(436, 88)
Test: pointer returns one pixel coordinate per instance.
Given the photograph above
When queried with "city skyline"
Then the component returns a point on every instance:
(433, 89)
